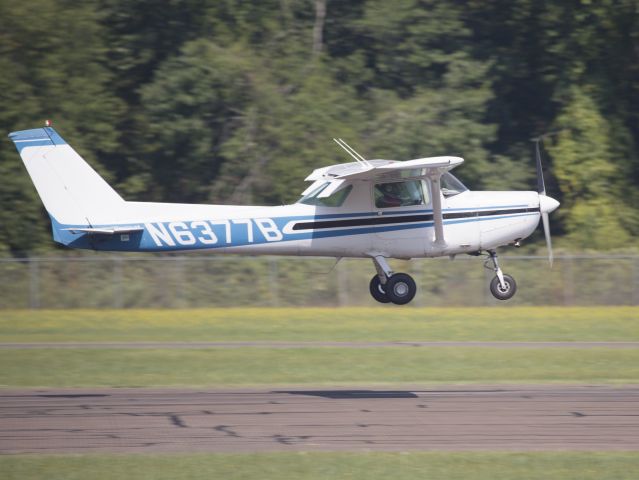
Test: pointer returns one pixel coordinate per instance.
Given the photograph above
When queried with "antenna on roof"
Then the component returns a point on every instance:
(351, 151)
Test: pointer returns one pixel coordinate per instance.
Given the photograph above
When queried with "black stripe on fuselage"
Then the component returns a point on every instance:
(386, 220)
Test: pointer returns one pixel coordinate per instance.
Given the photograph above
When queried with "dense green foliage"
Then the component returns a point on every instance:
(234, 101)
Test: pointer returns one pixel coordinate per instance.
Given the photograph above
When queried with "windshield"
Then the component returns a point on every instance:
(336, 199)
(450, 185)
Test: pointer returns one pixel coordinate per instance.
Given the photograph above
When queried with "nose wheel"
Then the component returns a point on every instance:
(387, 286)
(502, 286)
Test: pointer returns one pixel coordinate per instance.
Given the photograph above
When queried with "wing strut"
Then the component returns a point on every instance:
(438, 218)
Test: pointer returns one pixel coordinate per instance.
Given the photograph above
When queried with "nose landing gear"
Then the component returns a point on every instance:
(386, 286)
(502, 286)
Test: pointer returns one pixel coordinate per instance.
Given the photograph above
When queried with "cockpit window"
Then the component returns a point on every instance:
(399, 194)
(450, 185)
(336, 199)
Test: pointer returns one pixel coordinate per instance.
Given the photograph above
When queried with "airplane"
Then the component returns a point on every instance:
(375, 209)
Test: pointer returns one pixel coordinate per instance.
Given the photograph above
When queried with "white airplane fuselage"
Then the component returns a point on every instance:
(87, 213)
(473, 221)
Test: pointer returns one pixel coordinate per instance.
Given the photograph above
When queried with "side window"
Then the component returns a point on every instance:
(399, 194)
(334, 200)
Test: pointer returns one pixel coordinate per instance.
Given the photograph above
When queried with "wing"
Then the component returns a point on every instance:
(388, 169)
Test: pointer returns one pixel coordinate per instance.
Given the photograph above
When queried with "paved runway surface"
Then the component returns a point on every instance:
(432, 418)
(267, 344)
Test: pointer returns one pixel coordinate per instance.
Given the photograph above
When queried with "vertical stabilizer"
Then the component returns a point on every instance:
(72, 192)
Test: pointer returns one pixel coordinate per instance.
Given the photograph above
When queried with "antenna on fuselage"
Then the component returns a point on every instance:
(351, 151)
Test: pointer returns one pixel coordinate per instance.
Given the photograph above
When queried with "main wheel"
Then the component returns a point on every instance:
(378, 291)
(400, 288)
(505, 292)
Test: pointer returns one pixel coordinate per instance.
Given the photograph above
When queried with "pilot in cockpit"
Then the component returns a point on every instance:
(388, 195)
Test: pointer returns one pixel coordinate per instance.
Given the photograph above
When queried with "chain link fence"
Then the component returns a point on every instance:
(211, 281)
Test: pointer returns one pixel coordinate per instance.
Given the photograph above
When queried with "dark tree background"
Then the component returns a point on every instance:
(226, 101)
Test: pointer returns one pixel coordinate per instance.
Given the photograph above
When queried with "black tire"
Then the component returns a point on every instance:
(400, 288)
(501, 293)
(377, 290)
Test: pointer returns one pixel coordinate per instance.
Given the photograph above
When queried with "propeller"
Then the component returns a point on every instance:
(546, 203)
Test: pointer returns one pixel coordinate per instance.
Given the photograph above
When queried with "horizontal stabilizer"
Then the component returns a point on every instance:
(106, 230)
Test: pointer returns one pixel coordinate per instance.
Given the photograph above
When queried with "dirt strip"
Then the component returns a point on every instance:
(279, 419)
(269, 344)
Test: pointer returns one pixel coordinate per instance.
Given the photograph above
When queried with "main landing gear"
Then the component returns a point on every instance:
(387, 286)
(502, 286)
(400, 288)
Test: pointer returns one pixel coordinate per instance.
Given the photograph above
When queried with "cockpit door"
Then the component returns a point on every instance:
(402, 209)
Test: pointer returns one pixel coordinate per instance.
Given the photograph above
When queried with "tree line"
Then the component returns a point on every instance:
(235, 101)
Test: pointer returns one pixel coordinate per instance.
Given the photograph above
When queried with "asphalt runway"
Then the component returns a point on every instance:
(269, 344)
(421, 418)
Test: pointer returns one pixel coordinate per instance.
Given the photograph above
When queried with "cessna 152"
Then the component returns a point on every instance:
(376, 209)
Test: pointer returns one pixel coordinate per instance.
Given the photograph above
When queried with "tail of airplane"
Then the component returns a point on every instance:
(73, 193)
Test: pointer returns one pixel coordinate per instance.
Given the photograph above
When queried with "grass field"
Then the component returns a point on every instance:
(314, 324)
(314, 366)
(302, 466)
(322, 365)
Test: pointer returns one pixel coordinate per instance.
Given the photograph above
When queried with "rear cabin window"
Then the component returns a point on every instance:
(336, 199)
(399, 194)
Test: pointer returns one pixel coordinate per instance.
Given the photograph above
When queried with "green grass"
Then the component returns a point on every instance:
(315, 324)
(302, 466)
(213, 367)
(328, 366)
